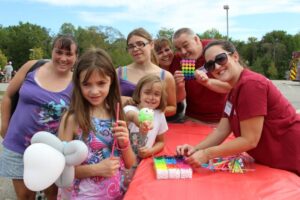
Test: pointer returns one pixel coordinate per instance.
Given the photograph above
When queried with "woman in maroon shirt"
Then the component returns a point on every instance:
(263, 121)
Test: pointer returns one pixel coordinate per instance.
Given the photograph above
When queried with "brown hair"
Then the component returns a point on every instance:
(227, 46)
(150, 79)
(160, 43)
(64, 42)
(93, 60)
(141, 32)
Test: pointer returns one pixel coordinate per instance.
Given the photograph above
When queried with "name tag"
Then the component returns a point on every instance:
(228, 108)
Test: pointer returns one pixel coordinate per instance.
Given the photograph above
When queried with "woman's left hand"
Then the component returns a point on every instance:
(121, 133)
(197, 158)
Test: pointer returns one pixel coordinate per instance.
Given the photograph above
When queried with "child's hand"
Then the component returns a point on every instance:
(144, 152)
(145, 127)
(121, 133)
(108, 167)
(179, 79)
(201, 76)
(127, 101)
(185, 150)
(197, 158)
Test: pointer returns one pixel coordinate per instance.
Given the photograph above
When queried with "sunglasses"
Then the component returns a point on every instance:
(138, 45)
(220, 59)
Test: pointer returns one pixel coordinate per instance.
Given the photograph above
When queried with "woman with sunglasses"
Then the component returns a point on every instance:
(263, 121)
(140, 47)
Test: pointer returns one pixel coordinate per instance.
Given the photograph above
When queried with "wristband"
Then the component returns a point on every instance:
(124, 148)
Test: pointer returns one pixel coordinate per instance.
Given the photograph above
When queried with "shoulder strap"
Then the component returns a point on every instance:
(125, 73)
(37, 65)
(15, 97)
(120, 72)
(162, 74)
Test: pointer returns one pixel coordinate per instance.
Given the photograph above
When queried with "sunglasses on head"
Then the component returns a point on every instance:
(220, 59)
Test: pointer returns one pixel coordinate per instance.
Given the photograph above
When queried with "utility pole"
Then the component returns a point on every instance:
(226, 7)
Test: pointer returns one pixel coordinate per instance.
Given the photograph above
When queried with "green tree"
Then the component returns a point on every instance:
(257, 66)
(91, 37)
(212, 34)
(118, 53)
(67, 28)
(277, 45)
(3, 60)
(111, 34)
(272, 71)
(251, 50)
(165, 32)
(36, 53)
(23, 37)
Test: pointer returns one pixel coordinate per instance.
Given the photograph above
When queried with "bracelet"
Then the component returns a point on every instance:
(123, 148)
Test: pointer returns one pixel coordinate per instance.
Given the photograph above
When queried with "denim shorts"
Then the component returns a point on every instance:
(11, 164)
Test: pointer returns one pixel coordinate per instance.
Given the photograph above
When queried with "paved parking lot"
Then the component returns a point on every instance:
(289, 88)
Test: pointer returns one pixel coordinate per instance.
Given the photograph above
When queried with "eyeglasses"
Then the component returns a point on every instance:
(220, 59)
(138, 45)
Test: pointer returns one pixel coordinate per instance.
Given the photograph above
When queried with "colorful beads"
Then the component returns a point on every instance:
(235, 164)
(188, 67)
(172, 167)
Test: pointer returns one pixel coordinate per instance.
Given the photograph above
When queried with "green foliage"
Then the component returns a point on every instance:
(118, 53)
(257, 66)
(91, 37)
(21, 38)
(36, 53)
(67, 28)
(213, 34)
(269, 56)
(272, 71)
(3, 60)
(165, 32)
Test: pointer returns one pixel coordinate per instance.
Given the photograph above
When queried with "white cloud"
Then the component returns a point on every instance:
(198, 15)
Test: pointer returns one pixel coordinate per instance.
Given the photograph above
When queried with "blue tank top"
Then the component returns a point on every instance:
(128, 87)
(37, 110)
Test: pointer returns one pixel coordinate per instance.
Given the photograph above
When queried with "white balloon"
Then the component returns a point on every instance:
(47, 138)
(75, 152)
(67, 177)
(48, 160)
(43, 165)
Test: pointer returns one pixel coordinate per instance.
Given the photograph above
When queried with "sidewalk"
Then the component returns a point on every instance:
(6, 188)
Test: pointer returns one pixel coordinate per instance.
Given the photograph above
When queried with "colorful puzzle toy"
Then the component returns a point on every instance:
(172, 167)
(188, 67)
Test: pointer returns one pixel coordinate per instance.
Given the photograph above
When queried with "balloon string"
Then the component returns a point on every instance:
(117, 119)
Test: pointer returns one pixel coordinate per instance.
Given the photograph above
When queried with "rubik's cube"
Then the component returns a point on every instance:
(188, 67)
(172, 167)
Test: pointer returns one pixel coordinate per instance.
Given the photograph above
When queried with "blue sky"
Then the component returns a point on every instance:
(247, 18)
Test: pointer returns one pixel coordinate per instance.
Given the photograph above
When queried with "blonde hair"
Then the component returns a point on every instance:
(150, 79)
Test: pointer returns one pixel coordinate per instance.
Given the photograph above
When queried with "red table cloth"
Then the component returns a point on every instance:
(263, 183)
